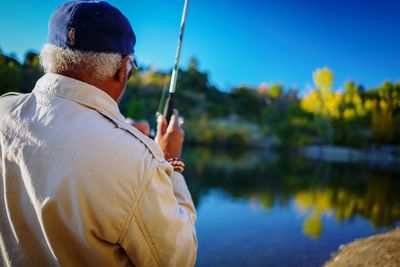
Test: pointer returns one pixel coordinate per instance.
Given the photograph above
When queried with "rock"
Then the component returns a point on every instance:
(381, 250)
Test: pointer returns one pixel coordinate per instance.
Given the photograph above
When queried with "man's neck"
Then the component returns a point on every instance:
(107, 85)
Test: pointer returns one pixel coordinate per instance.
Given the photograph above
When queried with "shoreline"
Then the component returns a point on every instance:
(384, 155)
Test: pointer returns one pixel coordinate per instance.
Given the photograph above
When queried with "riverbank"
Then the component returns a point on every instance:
(382, 154)
(379, 250)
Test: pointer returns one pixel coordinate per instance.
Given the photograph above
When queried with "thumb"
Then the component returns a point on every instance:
(161, 125)
(174, 122)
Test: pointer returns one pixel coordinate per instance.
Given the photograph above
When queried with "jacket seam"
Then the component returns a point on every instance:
(123, 228)
(147, 237)
(135, 213)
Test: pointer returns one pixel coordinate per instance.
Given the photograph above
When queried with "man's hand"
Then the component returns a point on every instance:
(170, 136)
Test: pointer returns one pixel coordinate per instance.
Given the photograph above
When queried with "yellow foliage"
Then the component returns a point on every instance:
(322, 101)
(323, 79)
(347, 99)
(349, 113)
(327, 106)
(203, 122)
(369, 104)
(304, 200)
(382, 122)
(208, 136)
(383, 105)
(359, 107)
(311, 103)
(151, 77)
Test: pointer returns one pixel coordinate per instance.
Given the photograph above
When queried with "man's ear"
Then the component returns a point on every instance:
(122, 73)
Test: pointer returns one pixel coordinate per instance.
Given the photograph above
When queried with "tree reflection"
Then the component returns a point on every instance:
(313, 225)
(317, 188)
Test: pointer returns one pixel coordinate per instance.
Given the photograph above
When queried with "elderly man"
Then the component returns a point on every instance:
(79, 185)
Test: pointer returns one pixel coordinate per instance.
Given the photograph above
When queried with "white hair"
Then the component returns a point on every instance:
(58, 60)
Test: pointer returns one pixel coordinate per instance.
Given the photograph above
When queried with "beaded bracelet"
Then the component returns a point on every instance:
(178, 164)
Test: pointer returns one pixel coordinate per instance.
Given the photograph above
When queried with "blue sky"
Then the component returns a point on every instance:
(245, 42)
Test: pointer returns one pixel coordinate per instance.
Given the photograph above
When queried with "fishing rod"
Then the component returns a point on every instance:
(169, 104)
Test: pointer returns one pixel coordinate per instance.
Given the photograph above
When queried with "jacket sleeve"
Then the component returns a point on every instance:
(161, 231)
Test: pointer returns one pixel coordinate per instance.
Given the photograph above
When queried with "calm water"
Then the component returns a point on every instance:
(260, 209)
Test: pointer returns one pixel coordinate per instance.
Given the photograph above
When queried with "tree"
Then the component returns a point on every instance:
(31, 71)
(275, 90)
(10, 74)
(323, 102)
(323, 80)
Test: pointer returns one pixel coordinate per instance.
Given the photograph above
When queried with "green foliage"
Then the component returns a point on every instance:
(136, 108)
(269, 114)
(288, 123)
(245, 101)
(223, 132)
(19, 77)
(31, 71)
(275, 90)
(10, 74)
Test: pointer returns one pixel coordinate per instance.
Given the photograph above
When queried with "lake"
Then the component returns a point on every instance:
(280, 209)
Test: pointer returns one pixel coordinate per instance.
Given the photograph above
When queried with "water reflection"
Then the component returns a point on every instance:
(320, 192)
(316, 187)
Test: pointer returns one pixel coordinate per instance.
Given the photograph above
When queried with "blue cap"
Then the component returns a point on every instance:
(92, 26)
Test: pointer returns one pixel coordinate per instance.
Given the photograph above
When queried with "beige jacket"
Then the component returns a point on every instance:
(80, 187)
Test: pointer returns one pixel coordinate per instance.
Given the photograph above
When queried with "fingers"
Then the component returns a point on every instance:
(161, 125)
(174, 122)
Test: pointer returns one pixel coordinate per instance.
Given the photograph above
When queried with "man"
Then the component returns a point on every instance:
(79, 185)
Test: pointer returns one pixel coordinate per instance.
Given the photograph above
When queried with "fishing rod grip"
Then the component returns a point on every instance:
(169, 107)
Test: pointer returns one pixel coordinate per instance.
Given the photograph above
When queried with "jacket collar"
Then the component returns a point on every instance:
(79, 92)
(92, 97)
